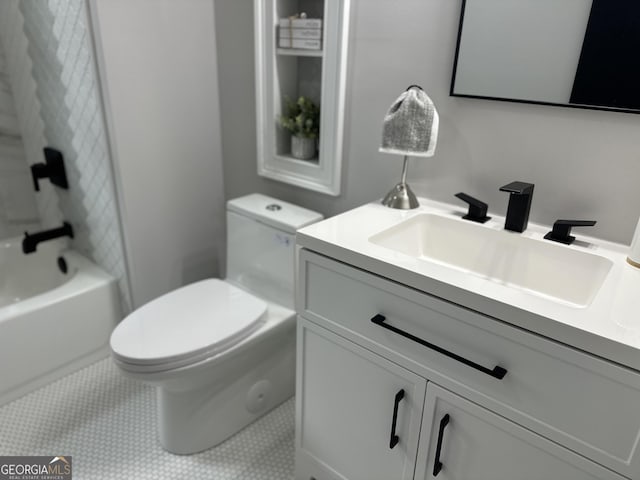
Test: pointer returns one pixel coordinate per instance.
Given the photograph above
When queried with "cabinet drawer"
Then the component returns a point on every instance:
(573, 398)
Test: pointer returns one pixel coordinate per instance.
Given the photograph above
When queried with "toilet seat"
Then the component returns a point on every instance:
(185, 326)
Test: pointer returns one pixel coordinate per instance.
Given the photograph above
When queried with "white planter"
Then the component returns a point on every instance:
(303, 148)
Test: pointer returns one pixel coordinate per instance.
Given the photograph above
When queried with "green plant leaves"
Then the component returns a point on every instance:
(301, 118)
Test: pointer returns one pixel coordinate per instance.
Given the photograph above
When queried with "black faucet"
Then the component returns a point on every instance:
(31, 240)
(520, 197)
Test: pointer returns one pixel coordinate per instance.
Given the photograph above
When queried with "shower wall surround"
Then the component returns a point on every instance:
(50, 60)
(17, 202)
(23, 87)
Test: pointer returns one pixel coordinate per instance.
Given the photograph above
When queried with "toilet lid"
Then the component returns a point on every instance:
(190, 323)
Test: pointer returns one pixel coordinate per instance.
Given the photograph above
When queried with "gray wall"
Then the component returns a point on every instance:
(585, 164)
(159, 79)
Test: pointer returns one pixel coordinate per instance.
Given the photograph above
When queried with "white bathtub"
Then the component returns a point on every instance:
(51, 323)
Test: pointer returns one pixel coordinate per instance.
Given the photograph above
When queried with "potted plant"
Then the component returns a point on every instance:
(302, 119)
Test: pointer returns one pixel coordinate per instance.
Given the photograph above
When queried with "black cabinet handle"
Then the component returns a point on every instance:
(497, 371)
(394, 439)
(437, 464)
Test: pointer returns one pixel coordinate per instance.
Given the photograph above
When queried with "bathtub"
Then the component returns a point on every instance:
(51, 322)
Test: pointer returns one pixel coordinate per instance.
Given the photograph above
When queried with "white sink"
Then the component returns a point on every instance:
(540, 267)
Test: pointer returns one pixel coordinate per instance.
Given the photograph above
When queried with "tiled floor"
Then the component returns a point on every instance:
(107, 424)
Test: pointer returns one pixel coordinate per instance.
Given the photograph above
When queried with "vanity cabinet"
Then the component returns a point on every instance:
(519, 405)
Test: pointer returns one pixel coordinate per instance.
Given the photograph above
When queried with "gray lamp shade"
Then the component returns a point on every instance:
(411, 125)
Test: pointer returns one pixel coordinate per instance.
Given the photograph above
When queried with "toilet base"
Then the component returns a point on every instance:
(190, 421)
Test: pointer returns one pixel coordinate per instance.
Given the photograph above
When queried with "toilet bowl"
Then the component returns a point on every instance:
(221, 353)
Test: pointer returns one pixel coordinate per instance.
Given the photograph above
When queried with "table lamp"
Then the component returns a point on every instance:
(410, 129)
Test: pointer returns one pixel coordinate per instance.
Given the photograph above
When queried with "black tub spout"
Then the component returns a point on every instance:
(31, 240)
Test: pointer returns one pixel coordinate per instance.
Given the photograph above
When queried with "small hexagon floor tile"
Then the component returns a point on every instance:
(107, 423)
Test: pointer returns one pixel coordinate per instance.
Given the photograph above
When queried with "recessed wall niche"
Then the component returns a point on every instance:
(301, 57)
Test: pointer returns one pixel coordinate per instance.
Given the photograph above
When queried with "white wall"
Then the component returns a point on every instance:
(585, 164)
(157, 60)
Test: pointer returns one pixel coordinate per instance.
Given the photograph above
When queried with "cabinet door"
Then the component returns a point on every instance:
(357, 415)
(463, 441)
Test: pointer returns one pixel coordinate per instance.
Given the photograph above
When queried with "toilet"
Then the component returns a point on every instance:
(221, 353)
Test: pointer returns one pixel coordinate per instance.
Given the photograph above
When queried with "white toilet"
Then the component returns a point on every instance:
(222, 352)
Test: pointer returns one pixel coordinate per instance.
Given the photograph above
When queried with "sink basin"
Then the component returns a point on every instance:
(539, 267)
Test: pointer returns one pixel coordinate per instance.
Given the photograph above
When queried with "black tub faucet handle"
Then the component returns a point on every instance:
(52, 168)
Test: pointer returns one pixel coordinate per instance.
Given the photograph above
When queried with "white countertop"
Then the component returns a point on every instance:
(608, 327)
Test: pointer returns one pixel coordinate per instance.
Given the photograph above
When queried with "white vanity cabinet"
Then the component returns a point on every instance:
(360, 417)
(519, 406)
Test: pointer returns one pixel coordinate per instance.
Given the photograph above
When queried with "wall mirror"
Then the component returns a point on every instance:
(575, 53)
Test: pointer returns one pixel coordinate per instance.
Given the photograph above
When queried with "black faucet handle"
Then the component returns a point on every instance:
(562, 229)
(53, 169)
(521, 188)
(477, 209)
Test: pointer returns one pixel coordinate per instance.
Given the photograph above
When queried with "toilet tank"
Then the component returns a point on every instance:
(261, 245)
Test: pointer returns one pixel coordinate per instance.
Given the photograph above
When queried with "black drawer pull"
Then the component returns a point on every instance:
(394, 439)
(437, 464)
(497, 372)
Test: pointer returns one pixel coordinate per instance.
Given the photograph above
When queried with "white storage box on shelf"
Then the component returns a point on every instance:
(300, 33)
(304, 33)
(303, 43)
(300, 23)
